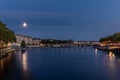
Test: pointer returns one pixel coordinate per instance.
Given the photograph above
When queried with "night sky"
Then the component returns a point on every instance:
(62, 19)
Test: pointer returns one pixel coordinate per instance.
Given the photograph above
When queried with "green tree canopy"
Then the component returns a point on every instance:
(6, 35)
(112, 38)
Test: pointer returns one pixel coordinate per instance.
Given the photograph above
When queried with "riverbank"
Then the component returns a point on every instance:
(104, 48)
(5, 52)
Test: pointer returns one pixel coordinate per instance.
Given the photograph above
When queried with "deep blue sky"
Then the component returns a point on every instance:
(62, 19)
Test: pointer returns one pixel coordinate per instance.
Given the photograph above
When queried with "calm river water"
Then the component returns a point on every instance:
(61, 64)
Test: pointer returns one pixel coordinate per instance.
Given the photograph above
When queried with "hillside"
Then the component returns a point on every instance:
(112, 38)
(6, 35)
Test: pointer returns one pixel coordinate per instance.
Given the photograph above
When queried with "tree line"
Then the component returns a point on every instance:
(112, 38)
(53, 41)
(6, 35)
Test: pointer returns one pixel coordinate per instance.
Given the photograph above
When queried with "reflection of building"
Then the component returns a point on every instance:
(27, 39)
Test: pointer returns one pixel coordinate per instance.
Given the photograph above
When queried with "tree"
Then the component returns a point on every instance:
(6, 35)
(23, 44)
(112, 38)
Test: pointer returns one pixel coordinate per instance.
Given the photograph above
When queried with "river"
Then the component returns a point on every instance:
(61, 64)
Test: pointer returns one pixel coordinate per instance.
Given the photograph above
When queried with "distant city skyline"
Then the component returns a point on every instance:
(62, 19)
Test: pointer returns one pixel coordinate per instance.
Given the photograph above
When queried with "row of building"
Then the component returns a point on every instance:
(35, 41)
(91, 43)
(28, 40)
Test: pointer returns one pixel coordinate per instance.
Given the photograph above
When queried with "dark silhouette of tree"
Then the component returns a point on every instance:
(53, 41)
(23, 44)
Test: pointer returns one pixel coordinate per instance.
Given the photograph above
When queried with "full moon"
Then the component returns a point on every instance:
(24, 24)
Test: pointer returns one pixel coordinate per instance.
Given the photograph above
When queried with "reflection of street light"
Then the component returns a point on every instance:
(24, 61)
(112, 58)
(111, 55)
(96, 50)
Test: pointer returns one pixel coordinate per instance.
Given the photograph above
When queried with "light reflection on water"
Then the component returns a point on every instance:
(96, 51)
(1, 65)
(24, 61)
(24, 64)
(61, 64)
(110, 63)
(112, 59)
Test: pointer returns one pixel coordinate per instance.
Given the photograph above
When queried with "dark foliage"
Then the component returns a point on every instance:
(112, 38)
(52, 41)
(23, 44)
(6, 35)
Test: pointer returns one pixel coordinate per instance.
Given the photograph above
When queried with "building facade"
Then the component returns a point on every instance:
(28, 40)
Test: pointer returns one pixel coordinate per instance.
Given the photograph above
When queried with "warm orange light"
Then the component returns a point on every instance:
(9, 44)
(111, 54)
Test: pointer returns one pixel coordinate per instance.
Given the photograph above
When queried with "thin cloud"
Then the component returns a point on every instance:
(37, 13)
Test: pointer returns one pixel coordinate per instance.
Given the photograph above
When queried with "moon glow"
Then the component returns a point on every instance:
(24, 25)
